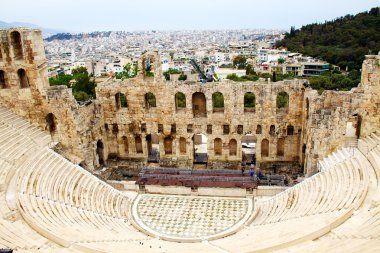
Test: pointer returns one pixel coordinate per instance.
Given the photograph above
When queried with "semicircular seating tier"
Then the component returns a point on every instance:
(49, 204)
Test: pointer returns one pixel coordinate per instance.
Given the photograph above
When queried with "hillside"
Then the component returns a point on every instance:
(343, 42)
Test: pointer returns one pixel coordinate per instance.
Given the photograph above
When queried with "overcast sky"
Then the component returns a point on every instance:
(131, 15)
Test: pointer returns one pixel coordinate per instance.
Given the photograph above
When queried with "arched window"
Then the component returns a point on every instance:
(16, 45)
(50, 121)
(120, 100)
(290, 130)
(115, 128)
(218, 102)
(182, 146)
(125, 144)
(138, 145)
(282, 101)
(249, 102)
(264, 148)
(24, 82)
(272, 130)
(280, 147)
(168, 145)
(100, 151)
(258, 129)
(232, 147)
(180, 100)
(150, 100)
(3, 84)
(218, 146)
(199, 104)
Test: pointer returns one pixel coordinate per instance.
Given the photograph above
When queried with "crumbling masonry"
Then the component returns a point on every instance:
(127, 116)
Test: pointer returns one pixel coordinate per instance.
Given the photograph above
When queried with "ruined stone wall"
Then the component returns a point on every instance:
(311, 127)
(327, 121)
(337, 119)
(139, 119)
(33, 98)
(370, 105)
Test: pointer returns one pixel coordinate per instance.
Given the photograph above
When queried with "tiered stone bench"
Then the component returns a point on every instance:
(48, 204)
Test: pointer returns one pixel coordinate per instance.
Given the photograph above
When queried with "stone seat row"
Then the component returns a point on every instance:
(335, 158)
(306, 211)
(361, 232)
(341, 187)
(53, 177)
(23, 127)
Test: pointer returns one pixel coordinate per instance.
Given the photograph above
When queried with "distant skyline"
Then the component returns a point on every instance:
(115, 15)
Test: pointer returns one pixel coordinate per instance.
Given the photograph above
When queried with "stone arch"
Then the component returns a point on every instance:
(218, 102)
(282, 101)
(358, 126)
(218, 145)
(150, 100)
(100, 151)
(200, 148)
(16, 43)
(232, 147)
(199, 104)
(180, 100)
(264, 148)
(24, 82)
(280, 146)
(182, 146)
(290, 130)
(51, 122)
(259, 129)
(248, 146)
(272, 130)
(138, 145)
(168, 145)
(120, 100)
(125, 144)
(3, 83)
(153, 146)
(249, 102)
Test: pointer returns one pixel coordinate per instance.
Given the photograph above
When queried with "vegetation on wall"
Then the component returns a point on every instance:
(82, 84)
(129, 71)
(169, 72)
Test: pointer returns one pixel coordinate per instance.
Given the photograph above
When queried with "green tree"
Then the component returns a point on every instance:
(282, 100)
(240, 62)
(217, 100)
(169, 72)
(129, 71)
(182, 77)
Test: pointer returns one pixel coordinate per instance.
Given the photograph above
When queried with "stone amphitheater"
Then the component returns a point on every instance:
(50, 146)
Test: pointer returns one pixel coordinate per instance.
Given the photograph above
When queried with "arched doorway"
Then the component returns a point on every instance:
(168, 145)
(232, 146)
(182, 146)
(138, 145)
(51, 124)
(23, 79)
(264, 148)
(100, 152)
(218, 146)
(200, 148)
(16, 44)
(199, 104)
(153, 145)
(248, 145)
